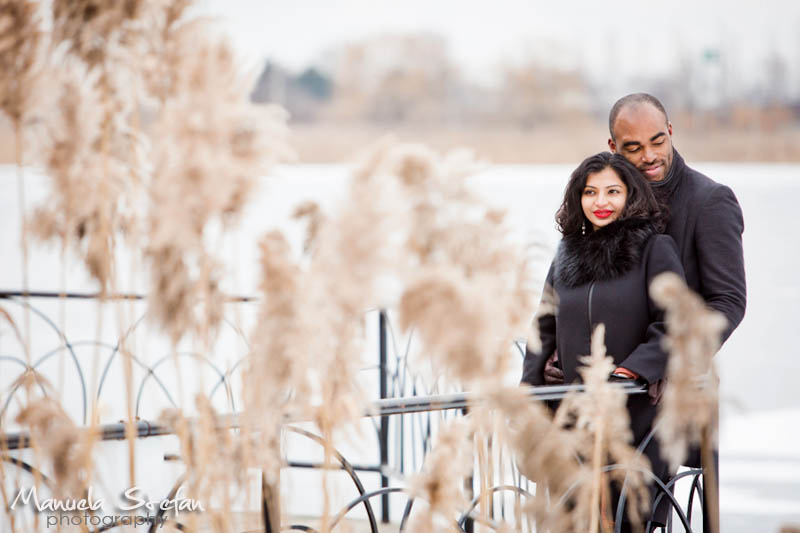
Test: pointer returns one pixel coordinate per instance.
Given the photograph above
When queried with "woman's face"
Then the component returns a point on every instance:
(603, 197)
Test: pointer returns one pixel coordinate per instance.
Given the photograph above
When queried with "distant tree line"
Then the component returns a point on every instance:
(411, 79)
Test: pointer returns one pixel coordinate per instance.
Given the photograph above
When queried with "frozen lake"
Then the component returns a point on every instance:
(759, 365)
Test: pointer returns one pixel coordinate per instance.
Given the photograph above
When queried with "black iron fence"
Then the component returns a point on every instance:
(402, 442)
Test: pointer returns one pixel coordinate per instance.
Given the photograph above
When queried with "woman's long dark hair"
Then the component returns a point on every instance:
(640, 203)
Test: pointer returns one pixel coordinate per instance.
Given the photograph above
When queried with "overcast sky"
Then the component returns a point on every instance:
(605, 38)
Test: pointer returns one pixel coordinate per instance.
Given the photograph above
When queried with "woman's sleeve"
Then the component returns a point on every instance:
(649, 359)
(542, 340)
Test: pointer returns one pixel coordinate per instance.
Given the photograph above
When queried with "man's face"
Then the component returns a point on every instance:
(644, 137)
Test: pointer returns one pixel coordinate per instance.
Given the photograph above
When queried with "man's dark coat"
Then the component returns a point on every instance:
(706, 222)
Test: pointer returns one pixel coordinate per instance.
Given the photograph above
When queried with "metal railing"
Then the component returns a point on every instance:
(393, 378)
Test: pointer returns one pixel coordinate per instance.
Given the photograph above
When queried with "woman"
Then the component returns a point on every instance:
(611, 250)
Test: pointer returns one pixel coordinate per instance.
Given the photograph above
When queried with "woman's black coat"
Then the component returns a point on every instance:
(603, 278)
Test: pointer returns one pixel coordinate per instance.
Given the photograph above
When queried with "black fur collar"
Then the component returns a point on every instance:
(607, 253)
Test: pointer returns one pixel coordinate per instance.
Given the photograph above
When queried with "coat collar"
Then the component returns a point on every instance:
(607, 253)
(665, 188)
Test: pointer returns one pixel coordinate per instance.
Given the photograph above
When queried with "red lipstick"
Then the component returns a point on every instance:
(602, 213)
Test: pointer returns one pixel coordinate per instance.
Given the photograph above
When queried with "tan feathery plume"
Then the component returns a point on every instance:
(211, 146)
(312, 213)
(80, 210)
(548, 455)
(458, 323)
(316, 311)
(689, 410)
(166, 27)
(92, 27)
(470, 290)
(693, 337)
(20, 42)
(601, 418)
(215, 461)
(277, 375)
(20, 73)
(547, 306)
(441, 482)
(66, 446)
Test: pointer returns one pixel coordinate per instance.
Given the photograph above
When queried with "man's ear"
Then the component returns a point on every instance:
(613, 146)
(669, 129)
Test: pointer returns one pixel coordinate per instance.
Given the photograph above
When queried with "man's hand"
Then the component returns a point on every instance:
(552, 374)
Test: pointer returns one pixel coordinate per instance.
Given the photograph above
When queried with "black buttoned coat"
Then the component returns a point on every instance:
(603, 278)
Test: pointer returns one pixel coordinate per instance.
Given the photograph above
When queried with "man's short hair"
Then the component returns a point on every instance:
(633, 99)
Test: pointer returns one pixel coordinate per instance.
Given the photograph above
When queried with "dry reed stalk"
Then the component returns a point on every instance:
(67, 447)
(693, 337)
(547, 306)
(77, 211)
(469, 291)
(20, 73)
(548, 455)
(3, 492)
(165, 23)
(358, 259)
(311, 212)
(276, 378)
(441, 482)
(601, 420)
(494, 440)
(689, 412)
(83, 209)
(104, 37)
(215, 459)
(210, 146)
(21, 39)
(465, 288)
(93, 28)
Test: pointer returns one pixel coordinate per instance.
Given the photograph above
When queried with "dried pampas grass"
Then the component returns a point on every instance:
(468, 288)
(548, 455)
(92, 27)
(211, 146)
(21, 38)
(276, 378)
(441, 482)
(82, 210)
(464, 330)
(693, 337)
(689, 410)
(215, 461)
(601, 419)
(66, 447)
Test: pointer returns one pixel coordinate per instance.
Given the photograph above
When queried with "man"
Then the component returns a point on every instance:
(704, 216)
(705, 219)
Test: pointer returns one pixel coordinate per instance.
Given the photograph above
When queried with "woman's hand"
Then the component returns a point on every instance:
(552, 374)
(656, 390)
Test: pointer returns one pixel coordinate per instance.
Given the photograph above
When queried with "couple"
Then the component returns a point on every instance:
(626, 217)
